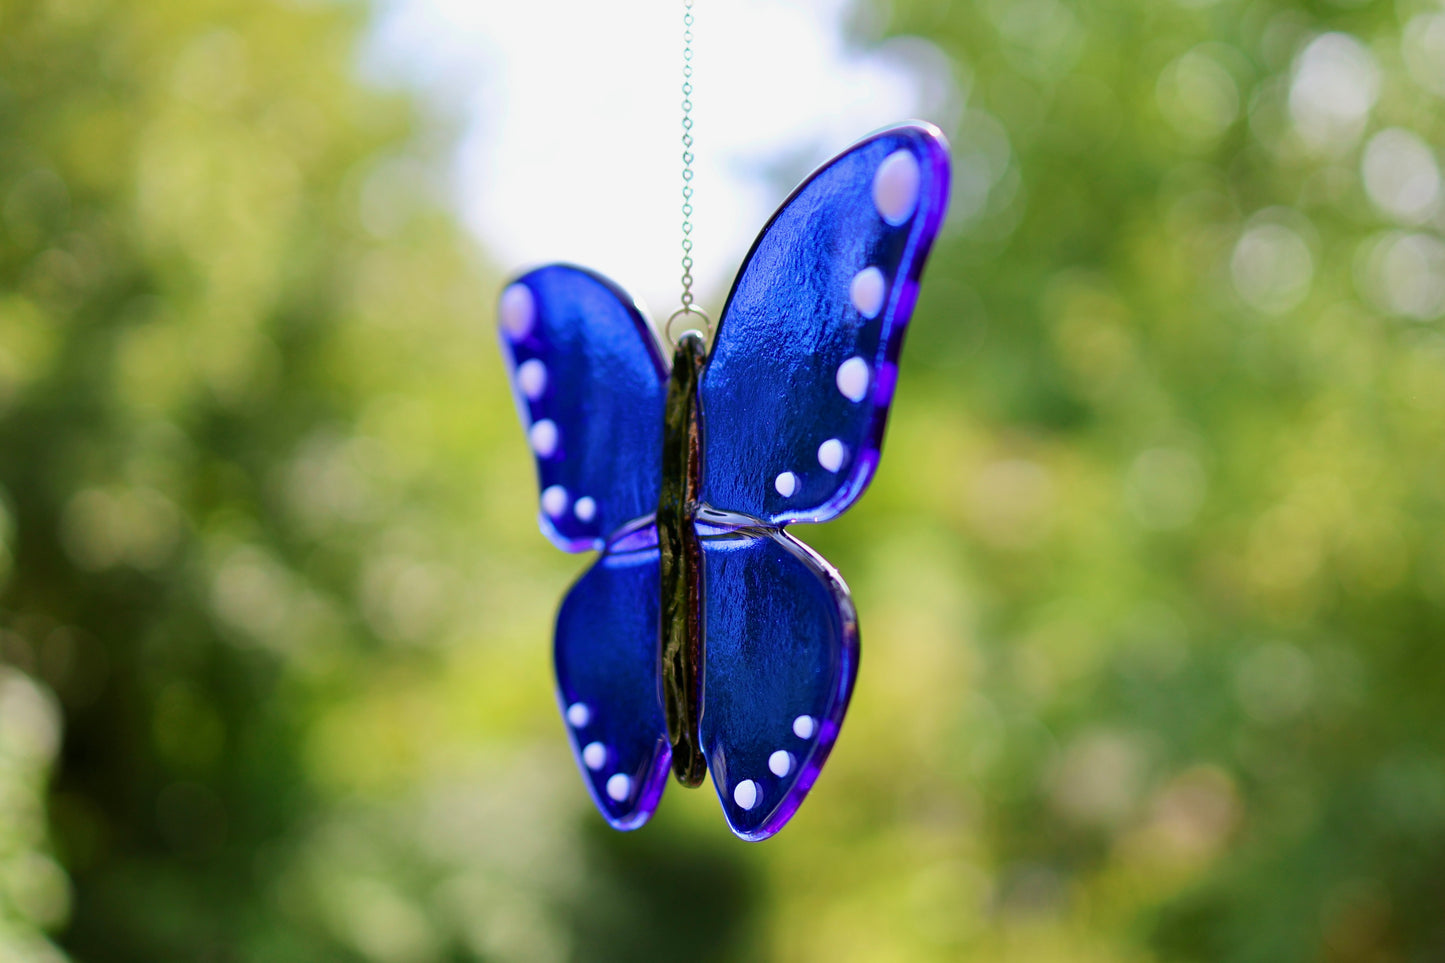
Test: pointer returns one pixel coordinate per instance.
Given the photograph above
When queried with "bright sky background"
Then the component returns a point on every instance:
(571, 111)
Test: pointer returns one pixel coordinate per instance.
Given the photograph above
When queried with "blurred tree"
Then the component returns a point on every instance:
(1189, 321)
(180, 187)
(245, 494)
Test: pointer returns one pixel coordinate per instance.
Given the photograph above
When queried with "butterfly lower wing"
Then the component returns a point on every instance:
(590, 383)
(799, 382)
(780, 657)
(607, 681)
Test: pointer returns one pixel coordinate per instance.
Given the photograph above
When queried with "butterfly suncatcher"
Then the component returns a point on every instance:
(706, 638)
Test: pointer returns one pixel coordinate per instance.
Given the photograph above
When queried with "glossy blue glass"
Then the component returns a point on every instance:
(806, 353)
(781, 422)
(606, 656)
(589, 381)
(779, 664)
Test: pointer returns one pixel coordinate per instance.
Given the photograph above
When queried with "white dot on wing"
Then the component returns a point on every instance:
(618, 786)
(517, 311)
(544, 437)
(532, 378)
(594, 756)
(554, 501)
(831, 454)
(853, 376)
(586, 509)
(895, 187)
(745, 794)
(804, 727)
(780, 763)
(867, 292)
(578, 715)
(786, 484)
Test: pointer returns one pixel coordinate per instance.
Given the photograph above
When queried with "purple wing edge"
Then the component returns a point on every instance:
(832, 724)
(652, 787)
(639, 535)
(899, 310)
(933, 203)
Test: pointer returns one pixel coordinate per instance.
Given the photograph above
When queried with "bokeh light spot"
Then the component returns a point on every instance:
(1402, 176)
(1272, 266)
(1404, 274)
(1197, 96)
(1335, 85)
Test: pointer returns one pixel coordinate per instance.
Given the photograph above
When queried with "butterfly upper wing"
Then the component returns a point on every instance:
(607, 680)
(590, 385)
(779, 665)
(797, 388)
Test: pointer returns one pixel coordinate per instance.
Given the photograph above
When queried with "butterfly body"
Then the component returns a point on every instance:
(680, 557)
(706, 638)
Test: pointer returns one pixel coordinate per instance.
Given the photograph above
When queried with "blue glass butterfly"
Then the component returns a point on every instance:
(706, 637)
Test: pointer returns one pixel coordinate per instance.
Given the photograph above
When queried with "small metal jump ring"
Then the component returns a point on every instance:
(683, 312)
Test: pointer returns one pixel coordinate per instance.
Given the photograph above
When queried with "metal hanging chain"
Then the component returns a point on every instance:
(687, 155)
(688, 308)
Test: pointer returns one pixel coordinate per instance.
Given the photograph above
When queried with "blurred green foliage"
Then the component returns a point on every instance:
(1152, 580)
